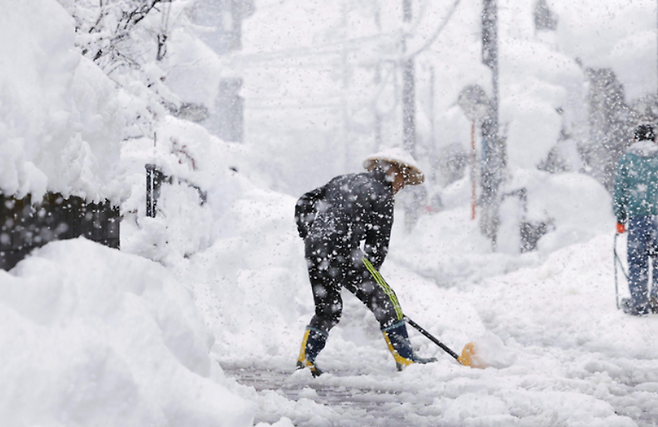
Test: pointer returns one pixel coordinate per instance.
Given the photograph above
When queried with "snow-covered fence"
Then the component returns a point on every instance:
(26, 224)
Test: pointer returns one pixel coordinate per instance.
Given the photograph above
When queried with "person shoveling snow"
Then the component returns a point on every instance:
(333, 220)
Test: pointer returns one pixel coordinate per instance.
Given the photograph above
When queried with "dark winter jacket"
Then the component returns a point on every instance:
(636, 183)
(346, 211)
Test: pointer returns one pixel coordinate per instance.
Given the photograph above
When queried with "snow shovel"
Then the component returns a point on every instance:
(621, 266)
(467, 357)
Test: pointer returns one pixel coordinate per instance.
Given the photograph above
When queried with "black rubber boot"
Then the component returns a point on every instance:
(628, 308)
(653, 305)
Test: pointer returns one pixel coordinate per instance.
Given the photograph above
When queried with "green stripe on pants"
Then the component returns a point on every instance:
(387, 289)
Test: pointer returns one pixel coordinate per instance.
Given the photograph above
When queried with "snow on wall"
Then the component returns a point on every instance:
(60, 118)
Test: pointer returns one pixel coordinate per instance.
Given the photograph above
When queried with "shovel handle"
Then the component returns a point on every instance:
(432, 338)
(380, 280)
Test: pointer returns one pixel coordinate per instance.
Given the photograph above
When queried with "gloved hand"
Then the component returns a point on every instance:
(621, 228)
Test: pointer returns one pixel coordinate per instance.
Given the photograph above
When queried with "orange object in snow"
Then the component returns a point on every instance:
(469, 357)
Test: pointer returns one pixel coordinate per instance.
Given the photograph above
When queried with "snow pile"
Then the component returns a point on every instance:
(541, 88)
(92, 336)
(193, 70)
(620, 35)
(60, 117)
(204, 177)
(574, 207)
(568, 302)
(449, 247)
(251, 284)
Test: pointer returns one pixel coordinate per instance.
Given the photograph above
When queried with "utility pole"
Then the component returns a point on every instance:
(408, 90)
(493, 149)
(432, 114)
(345, 129)
(378, 80)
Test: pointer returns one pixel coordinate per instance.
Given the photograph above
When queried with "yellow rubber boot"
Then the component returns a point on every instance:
(313, 342)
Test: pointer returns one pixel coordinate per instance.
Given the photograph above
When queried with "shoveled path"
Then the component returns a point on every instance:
(373, 402)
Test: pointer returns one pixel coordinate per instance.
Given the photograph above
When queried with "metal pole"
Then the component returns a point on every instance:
(493, 150)
(345, 130)
(408, 92)
(378, 81)
(151, 184)
(473, 174)
(150, 190)
(432, 125)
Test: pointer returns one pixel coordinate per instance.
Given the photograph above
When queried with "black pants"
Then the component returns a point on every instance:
(331, 267)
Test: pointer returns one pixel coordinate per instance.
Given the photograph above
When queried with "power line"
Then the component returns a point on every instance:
(438, 31)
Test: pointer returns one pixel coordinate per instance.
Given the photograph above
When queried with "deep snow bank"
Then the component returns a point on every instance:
(60, 117)
(205, 177)
(449, 248)
(93, 336)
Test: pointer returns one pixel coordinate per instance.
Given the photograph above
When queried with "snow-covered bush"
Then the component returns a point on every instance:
(61, 119)
(127, 39)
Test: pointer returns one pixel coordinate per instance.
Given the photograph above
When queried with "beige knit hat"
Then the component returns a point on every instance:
(397, 156)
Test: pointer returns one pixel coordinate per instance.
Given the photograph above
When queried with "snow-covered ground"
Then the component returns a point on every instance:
(560, 352)
(96, 336)
(198, 319)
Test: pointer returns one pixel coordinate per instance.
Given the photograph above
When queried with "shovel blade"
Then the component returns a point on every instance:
(469, 357)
